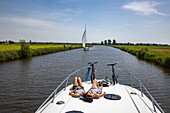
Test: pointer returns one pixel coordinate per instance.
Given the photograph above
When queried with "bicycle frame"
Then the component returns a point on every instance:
(114, 79)
(93, 71)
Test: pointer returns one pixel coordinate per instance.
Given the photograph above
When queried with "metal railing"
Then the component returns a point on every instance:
(142, 87)
(51, 98)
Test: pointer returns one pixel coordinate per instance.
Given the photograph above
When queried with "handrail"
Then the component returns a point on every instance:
(55, 91)
(142, 86)
(53, 94)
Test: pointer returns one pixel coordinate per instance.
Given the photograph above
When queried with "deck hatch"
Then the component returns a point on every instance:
(112, 96)
(74, 111)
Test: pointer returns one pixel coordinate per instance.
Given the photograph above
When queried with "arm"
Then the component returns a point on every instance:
(72, 91)
(74, 94)
(96, 96)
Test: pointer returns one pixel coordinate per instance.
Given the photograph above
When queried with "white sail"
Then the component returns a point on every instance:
(84, 38)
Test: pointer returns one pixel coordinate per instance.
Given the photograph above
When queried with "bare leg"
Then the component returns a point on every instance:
(75, 82)
(79, 81)
(95, 83)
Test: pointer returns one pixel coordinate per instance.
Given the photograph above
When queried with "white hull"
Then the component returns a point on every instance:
(131, 102)
(86, 48)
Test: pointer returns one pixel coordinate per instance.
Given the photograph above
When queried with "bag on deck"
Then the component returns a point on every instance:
(87, 98)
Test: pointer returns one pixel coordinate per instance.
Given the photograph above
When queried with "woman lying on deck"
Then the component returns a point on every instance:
(78, 88)
(96, 90)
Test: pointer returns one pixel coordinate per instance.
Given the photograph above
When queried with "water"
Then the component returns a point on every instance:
(26, 83)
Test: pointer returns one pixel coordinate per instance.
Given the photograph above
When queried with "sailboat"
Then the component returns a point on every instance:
(84, 40)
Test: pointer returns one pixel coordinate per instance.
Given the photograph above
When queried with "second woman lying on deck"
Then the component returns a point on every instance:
(96, 90)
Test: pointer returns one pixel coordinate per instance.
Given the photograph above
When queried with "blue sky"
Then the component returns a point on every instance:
(143, 21)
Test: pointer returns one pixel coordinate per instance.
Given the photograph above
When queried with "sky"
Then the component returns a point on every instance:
(134, 21)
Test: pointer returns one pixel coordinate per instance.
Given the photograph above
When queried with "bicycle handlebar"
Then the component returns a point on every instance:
(92, 63)
(111, 64)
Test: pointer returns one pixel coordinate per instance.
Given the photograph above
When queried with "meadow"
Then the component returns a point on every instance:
(157, 54)
(13, 51)
(9, 47)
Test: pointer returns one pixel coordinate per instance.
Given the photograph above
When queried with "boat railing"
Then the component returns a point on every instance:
(51, 98)
(142, 89)
(65, 82)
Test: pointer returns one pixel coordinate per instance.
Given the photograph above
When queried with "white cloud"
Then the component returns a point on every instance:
(63, 15)
(68, 10)
(144, 7)
(37, 30)
(41, 26)
(66, 1)
(26, 22)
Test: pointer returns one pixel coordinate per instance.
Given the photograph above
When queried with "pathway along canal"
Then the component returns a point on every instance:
(25, 84)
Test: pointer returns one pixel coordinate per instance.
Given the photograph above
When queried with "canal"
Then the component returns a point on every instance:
(26, 83)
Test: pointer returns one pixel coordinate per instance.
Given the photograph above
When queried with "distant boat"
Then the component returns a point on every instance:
(84, 40)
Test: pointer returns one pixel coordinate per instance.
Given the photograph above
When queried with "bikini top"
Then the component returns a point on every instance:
(79, 91)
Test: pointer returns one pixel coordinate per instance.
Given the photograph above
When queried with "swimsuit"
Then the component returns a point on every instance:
(95, 90)
(79, 91)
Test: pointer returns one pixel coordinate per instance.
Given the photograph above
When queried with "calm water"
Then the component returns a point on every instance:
(25, 84)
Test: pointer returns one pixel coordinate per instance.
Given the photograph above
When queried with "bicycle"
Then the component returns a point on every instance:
(114, 79)
(93, 71)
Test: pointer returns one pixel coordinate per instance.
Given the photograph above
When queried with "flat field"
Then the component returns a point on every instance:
(4, 47)
(13, 51)
(158, 54)
(157, 49)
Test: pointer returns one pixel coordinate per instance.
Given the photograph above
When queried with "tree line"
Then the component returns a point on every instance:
(113, 42)
(108, 42)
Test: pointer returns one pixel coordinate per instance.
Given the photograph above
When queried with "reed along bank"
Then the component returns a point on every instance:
(18, 51)
(157, 54)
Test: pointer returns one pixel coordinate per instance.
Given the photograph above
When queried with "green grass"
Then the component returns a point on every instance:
(9, 47)
(4, 47)
(156, 54)
(12, 51)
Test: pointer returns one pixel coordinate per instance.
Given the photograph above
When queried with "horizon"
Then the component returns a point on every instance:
(137, 21)
(117, 43)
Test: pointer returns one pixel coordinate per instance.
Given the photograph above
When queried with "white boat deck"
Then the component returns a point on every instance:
(129, 103)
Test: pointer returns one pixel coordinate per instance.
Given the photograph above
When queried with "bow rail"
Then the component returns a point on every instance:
(142, 89)
(51, 98)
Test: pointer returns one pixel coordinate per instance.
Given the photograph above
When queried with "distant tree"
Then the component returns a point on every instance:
(109, 41)
(102, 43)
(11, 42)
(2, 42)
(114, 41)
(25, 51)
(30, 42)
(105, 42)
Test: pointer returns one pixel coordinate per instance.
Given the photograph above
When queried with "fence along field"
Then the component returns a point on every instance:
(157, 54)
(12, 51)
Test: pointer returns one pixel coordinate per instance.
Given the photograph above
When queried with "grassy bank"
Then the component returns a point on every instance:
(157, 54)
(9, 47)
(11, 52)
